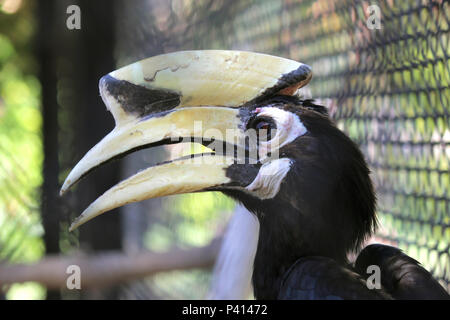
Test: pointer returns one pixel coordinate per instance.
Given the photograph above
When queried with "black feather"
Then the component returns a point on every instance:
(325, 208)
(321, 278)
(295, 100)
(402, 276)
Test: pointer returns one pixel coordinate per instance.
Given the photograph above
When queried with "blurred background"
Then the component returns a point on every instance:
(387, 88)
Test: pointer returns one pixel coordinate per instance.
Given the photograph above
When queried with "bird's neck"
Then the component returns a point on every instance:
(285, 235)
(280, 245)
(274, 256)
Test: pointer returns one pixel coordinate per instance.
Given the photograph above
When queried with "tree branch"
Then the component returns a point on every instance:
(108, 268)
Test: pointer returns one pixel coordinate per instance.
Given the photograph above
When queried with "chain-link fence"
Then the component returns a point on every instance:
(381, 67)
(386, 83)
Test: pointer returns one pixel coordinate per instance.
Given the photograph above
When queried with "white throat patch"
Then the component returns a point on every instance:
(267, 183)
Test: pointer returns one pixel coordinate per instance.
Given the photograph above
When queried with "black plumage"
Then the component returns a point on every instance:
(318, 278)
(401, 276)
(325, 209)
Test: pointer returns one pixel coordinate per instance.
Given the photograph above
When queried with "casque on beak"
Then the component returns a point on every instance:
(194, 95)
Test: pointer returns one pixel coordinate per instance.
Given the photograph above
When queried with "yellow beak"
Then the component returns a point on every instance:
(192, 95)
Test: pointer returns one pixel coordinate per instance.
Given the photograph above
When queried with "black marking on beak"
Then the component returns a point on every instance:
(137, 99)
(300, 76)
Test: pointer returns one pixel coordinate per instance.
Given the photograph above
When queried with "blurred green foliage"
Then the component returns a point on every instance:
(20, 148)
(389, 91)
(187, 220)
(194, 220)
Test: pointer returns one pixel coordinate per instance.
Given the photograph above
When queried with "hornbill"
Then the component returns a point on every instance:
(280, 156)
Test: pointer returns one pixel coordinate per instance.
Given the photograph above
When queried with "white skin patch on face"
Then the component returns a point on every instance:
(289, 128)
(273, 171)
(270, 176)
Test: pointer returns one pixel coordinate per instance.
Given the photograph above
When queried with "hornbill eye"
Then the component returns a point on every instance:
(265, 128)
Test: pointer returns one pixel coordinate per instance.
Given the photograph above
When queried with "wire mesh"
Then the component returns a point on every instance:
(387, 88)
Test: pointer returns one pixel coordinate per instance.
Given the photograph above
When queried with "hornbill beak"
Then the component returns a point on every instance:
(195, 95)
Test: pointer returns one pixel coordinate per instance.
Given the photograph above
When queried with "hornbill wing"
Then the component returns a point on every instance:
(401, 276)
(321, 278)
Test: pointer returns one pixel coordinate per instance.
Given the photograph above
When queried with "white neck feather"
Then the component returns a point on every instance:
(233, 270)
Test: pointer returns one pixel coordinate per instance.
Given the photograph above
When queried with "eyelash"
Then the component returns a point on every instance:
(253, 124)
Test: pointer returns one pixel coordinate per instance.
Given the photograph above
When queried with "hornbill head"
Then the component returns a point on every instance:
(281, 156)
